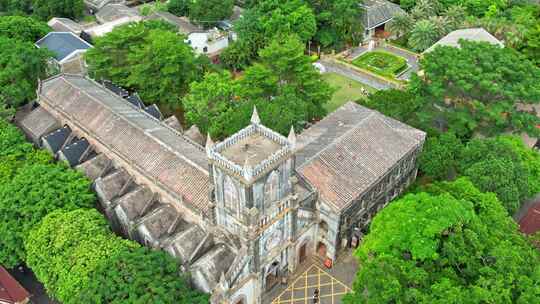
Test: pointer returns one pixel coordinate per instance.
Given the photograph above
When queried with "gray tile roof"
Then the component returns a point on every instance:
(177, 164)
(62, 44)
(349, 150)
(38, 123)
(111, 12)
(65, 25)
(470, 34)
(183, 24)
(98, 4)
(55, 140)
(378, 12)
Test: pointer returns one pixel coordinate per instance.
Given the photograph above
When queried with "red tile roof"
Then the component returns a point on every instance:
(530, 223)
(10, 290)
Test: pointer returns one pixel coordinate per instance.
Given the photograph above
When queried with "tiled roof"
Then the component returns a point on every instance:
(183, 24)
(471, 34)
(349, 150)
(111, 12)
(10, 290)
(377, 12)
(38, 123)
(98, 4)
(65, 25)
(62, 44)
(157, 151)
(530, 223)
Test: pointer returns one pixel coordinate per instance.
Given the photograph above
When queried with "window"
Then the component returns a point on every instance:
(271, 188)
(230, 193)
(205, 49)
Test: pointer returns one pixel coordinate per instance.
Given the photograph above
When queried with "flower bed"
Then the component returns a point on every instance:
(382, 63)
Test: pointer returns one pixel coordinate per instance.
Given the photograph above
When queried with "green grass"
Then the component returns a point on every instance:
(382, 63)
(346, 90)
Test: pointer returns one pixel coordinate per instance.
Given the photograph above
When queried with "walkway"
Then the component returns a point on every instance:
(301, 291)
(363, 78)
(333, 283)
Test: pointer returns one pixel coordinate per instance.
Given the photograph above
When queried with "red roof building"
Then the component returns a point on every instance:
(11, 292)
(530, 222)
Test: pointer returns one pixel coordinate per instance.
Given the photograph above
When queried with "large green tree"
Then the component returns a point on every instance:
(148, 58)
(35, 191)
(67, 247)
(209, 12)
(140, 275)
(270, 18)
(444, 246)
(479, 88)
(284, 86)
(423, 35)
(339, 22)
(21, 64)
(23, 28)
(46, 9)
(440, 156)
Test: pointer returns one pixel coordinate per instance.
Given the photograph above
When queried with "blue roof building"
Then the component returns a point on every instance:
(64, 45)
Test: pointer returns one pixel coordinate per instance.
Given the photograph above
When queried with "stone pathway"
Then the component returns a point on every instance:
(364, 78)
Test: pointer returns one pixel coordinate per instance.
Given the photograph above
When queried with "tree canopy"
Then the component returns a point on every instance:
(479, 88)
(444, 245)
(23, 28)
(34, 191)
(21, 64)
(46, 9)
(147, 58)
(209, 12)
(284, 86)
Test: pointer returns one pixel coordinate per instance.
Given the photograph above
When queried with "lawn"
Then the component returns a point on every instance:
(381, 63)
(346, 90)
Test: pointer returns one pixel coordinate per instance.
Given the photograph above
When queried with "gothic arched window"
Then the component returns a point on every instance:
(230, 193)
(271, 191)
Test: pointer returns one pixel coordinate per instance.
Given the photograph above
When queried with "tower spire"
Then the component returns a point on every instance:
(255, 116)
(292, 137)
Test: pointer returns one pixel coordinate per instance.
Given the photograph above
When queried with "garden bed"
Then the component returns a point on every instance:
(381, 63)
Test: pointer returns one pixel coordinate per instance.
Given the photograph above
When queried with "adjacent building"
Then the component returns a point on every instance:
(67, 49)
(11, 292)
(375, 15)
(470, 34)
(242, 213)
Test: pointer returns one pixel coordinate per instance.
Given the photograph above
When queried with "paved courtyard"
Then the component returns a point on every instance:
(301, 290)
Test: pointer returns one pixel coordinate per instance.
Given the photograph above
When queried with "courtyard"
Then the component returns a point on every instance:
(347, 89)
(381, 63)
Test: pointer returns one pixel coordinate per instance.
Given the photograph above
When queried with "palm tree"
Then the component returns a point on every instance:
(425, 9)
(423, 35)
(401, 24)
(456, 15)
(442, 24)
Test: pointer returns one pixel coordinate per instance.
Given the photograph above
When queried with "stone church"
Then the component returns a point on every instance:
(238, 214)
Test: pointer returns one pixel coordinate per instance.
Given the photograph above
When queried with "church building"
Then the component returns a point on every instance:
(238, 214)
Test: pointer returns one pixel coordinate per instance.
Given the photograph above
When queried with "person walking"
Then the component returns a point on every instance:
(316, 296)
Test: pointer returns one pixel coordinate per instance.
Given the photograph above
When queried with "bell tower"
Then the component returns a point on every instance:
(254, 196)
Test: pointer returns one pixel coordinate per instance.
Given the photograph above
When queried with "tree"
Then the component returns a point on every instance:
(424, 9)
(162, 68)
(178, 7)
(67, 247)
(21, 64)
(480, 88)
(455, 15)
(237, 55)
(440, 156)
(443, 245)
(401, 24)
(209, 12)
(23, 28)
(424, 34)
(338, 22)
(269, 19)
(398, 104)
(496, 165)
(148, 58)
(14, 7)
(140, 275)
(285, 86)
(46, 9)
(35, 191)
(532, 43)
(211, 102)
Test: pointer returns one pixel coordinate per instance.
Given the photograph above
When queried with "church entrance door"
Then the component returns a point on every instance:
(321, 250)
(272, 277)
(302, 253)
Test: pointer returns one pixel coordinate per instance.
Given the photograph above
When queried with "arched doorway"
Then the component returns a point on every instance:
(321, 250)
(272, 275)
(302, 253)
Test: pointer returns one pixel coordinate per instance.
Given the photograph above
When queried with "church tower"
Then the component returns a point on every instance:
(253, 194)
